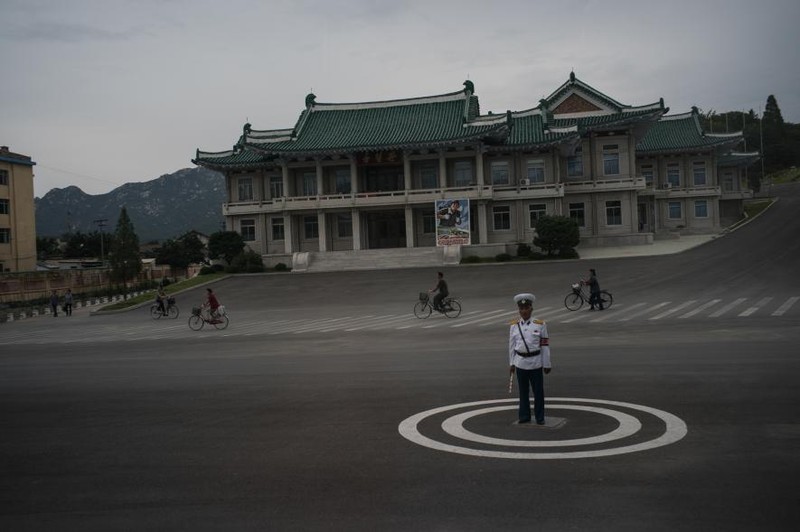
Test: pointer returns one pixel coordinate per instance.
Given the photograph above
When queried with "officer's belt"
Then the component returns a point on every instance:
(531, 354)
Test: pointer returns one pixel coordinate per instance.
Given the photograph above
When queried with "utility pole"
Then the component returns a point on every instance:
(101, 223)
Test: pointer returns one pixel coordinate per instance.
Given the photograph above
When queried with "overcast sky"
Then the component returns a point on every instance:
(105, 92)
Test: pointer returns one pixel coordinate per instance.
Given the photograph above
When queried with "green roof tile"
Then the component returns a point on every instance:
(683, 132)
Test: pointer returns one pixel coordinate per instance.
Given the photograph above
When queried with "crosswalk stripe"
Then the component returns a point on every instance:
(786, 306)
(699, 309)
(727, 307)
(755, 307)
(372, 320)
(673, 310)
(647, 311)
(490, 316)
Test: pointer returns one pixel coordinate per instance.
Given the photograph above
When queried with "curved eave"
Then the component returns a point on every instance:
(623, 121)
(550, 143)
(719, 145)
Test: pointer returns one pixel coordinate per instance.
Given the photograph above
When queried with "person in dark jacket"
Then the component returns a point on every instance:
(594, 290)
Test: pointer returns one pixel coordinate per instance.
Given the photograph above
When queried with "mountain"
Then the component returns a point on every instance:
(163, 208)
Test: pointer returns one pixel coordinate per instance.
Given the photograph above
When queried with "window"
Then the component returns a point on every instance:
(610, 159)
(575, 163)
(343, 181)
(309, 184)
(699, 173)
(674, 175)
(428, 177)
(701, 209)
(499, 171)
(535, 171)
(5, 235)
(675, 210)
(247, 228)
(311, 225)
(535, 212)
(3, 177)
(727, 183)
(502, 217)
(275, 187)
(648, 174)
(578, 213)
(344, 225)
(245, 188)
(428, 224)
(614, 212)
(462, 171)
(277, 229)
(4, 206)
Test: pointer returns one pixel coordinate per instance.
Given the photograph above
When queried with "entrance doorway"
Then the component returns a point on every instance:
(644, 218)
(386, 229)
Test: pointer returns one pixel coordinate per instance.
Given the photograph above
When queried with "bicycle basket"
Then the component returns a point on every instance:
(576, 286)
(423, 296)
(170, 300)
(195, 311)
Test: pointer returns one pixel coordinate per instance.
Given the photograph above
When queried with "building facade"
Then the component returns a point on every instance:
(17, 217)
(367, 175)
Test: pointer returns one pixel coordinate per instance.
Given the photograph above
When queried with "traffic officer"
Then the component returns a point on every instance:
(529, 358)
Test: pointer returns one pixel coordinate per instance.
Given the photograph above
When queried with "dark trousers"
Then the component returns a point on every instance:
(437, 301)
(594, 299)
(68, 309)
(527, 379)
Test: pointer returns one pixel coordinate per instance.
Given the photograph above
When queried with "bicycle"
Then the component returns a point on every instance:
(171, 310)
(451, 307)
(577, 297)
(200, 317)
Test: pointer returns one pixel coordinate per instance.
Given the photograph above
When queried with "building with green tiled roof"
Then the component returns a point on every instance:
(367, 175)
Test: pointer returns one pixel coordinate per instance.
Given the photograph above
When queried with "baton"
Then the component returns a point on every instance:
(510, 382)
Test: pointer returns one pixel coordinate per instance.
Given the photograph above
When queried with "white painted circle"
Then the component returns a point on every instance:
(675, 430)
(628, 426)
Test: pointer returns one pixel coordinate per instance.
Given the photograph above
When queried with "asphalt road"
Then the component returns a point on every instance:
(290, 419)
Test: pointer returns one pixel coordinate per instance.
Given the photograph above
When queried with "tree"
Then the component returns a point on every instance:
(46, 247)
(181, 252)
(557, 234)
(225, 245)
(124, 256)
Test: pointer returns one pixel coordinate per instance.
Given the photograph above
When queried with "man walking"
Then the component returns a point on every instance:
(529, 358)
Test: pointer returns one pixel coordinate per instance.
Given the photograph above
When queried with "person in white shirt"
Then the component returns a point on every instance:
(529, 358)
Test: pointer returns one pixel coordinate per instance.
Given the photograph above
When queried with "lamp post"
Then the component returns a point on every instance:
(101, 223)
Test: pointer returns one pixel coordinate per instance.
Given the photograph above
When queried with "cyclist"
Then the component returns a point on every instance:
(441, 287)
(594, 290)
(212, 303)
(161, 298)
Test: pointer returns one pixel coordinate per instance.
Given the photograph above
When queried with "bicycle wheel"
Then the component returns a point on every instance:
(422, 310)
(606, 299)
(452, 309)
(196, 323)
(155, 313)
(174, 312)
(573, 301)
(220, 322)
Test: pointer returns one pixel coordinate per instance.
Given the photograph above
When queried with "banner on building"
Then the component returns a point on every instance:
(452, 222)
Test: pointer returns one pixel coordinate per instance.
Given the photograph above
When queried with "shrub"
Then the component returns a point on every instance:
(471, 259)
(503, 257)
(248, 261)
(523, 250)
(556, 234)
(281, 267)
(206, 270)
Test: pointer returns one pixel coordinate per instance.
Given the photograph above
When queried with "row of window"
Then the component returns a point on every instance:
(673, 176)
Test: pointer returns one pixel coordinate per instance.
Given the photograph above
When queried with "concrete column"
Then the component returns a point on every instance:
(353, 177)
(323, 231)
(285, 174)
(483, 225)
(320, 180)
(409, 226)
(407, 171)
(442, 170)
(356, 220)
(288, 234)
(479, 165)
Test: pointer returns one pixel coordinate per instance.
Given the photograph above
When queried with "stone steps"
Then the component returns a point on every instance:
(372, 259)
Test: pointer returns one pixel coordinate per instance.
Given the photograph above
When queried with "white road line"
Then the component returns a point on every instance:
(488, 316)
(699, 309)
(329, 324)
(673, 310)
(756, 307)
(377, 318)
(646, 311)
(607, 314)
(727, 307)
(299, 324)
(786, 306)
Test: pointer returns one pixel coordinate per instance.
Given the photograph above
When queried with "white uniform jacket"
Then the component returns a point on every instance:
(535, 332)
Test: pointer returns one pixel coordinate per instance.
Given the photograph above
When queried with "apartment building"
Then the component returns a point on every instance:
(17, 218)
(370, 175)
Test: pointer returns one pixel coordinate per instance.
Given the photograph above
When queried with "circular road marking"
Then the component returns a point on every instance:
(675, 430)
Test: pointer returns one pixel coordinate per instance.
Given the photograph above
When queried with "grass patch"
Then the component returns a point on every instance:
(754, 208)
(169, 289)
(790, 175)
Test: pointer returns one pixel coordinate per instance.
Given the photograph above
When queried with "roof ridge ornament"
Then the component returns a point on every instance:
(310, 100)
(572, 76)
(469, 88)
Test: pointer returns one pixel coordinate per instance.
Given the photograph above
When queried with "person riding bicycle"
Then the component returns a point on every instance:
(441, 287)
(212, 303)
(594, 290)
(161, 299)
